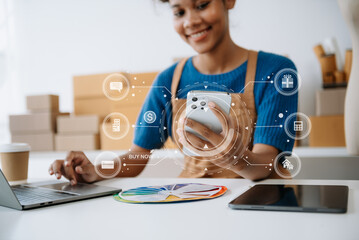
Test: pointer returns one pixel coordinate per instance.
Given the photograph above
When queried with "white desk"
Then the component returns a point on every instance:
(105, 218)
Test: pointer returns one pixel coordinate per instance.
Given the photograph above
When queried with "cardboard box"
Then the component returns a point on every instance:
(37, 141)
(90, 99)
(330, 102)
(91, 86)
(145, 79)
(329, 66)
(140, 86)
(103, 106)
(327, 131)
(348, 64)
(77, 142)
(43, 103)
(33, 123)
(87, 124)
(112, 144)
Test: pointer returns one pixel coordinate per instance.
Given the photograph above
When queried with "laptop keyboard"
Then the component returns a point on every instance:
(31, 195)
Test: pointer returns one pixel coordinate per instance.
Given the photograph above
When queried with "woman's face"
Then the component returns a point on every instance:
(203, 24)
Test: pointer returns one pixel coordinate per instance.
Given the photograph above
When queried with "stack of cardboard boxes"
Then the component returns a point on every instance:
(82, 130)
(328, 124)
(331, 75)
(89, 98)
(38, 127)
(77, 133)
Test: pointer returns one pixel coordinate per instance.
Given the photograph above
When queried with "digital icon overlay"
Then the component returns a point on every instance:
(116, 86)
(107, 164)
(297, 126)
(149, 117)
(116, 126)
(287, 164)
(287, 82)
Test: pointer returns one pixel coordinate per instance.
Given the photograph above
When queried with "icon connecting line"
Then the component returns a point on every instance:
(255, 82)
(136, 126)
(272, 126)
(257, 164)
(153, 87)
(141, 164)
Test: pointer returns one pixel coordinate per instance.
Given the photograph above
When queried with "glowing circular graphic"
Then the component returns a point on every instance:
(297, 126)
(149, 117)
(107, 164)
(235, 141)
(287, 81)
(287, 164)
(116, 86)
(116, 126)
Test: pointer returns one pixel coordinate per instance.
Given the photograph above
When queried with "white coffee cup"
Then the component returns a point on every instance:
(15, 160)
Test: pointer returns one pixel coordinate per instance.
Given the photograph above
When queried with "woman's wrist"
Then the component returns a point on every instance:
(253, 166)
(243, 163)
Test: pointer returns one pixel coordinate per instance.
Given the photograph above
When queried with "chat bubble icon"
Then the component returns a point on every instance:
(116, 86)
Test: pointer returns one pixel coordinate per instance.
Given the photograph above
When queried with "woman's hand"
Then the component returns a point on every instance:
(221, 148)
(76, 168)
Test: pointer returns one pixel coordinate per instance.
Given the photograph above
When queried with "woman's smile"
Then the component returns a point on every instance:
(199, 35)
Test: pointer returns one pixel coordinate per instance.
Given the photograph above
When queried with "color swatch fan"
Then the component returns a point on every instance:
(171, 193)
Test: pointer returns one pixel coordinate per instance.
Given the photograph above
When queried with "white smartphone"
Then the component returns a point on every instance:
(198, 110)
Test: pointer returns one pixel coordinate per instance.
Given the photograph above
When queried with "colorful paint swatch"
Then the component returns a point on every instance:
(171, 193)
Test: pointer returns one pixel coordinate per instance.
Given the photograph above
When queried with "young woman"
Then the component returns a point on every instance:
(244, 148)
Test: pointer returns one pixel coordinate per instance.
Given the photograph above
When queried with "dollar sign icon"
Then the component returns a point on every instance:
(149, 117)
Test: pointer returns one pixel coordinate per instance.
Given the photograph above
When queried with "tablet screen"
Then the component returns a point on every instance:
(300, 198)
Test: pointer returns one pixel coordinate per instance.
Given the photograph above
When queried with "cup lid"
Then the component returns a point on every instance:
(15, 147)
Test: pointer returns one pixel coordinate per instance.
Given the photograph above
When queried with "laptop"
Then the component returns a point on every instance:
(28, 196)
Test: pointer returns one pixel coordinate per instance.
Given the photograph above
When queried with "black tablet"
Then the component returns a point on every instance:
(293, 198)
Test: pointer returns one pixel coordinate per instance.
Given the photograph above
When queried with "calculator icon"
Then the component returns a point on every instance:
(298, 126)
(116, 126)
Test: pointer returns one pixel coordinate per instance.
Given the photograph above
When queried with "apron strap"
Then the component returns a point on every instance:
(177, 77)
(251, 71)
(250, 78)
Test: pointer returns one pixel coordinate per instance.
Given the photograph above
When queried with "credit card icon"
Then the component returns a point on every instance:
(107, 164)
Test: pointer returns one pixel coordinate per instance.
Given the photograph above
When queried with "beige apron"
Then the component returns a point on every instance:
(195, 167)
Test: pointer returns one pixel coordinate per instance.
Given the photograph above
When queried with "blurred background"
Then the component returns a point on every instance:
(43, 43)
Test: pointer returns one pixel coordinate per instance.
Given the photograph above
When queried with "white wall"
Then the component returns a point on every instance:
(50, 41)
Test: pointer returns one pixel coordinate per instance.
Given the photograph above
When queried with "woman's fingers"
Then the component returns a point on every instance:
(220, 114)
(75, 168)
(75, 158)
(70, 174)
(214, 138)
(187, 145)
(193, 140)
(87, 172)
(56, 168)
